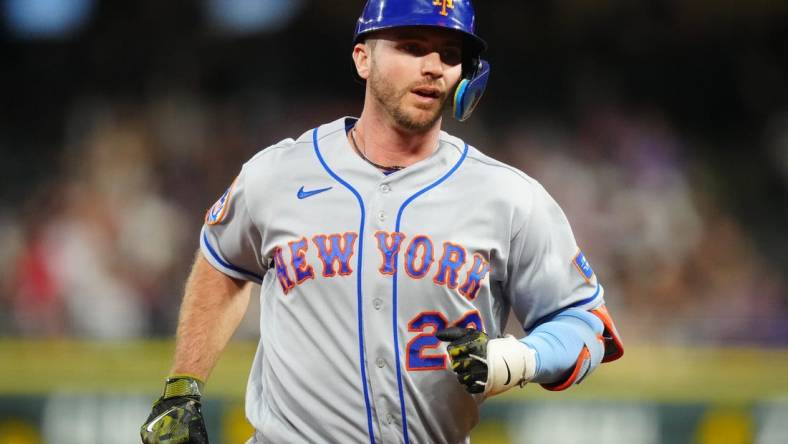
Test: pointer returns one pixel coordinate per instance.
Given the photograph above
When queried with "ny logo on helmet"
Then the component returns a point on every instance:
(444, 4)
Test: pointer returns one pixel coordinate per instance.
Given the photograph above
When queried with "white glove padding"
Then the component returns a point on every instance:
(488, 366)
(509, 363)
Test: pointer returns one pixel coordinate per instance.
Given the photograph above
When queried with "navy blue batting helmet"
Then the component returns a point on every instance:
(453, 14)
(457, 15)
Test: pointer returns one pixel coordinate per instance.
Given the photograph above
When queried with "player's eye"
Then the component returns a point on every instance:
(451, 56)
(413, 49)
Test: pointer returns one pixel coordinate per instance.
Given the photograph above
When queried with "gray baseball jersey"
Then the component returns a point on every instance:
(360, 269)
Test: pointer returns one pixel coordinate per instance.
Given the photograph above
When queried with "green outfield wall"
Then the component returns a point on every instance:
(95, 392)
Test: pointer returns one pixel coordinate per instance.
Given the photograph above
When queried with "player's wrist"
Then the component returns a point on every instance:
(180, 385)
(510, 364)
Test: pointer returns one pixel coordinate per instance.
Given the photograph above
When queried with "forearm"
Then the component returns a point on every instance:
(556, 354)
(562, 342)
(213, 306)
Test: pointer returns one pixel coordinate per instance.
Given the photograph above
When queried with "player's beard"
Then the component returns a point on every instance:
(391, 99)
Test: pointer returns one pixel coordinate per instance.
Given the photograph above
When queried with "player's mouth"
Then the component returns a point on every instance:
(427, 93)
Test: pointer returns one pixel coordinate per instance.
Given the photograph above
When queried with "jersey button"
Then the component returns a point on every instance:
(385, 188)
(381, 215)
(377, 303)
(389, 418)
(380, 362)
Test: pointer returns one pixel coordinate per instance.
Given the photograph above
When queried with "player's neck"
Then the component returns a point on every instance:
(385, 143)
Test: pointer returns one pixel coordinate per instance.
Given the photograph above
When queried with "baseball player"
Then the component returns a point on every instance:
(390, 255)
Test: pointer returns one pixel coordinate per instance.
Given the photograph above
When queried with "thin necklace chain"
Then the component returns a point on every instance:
(386, 169)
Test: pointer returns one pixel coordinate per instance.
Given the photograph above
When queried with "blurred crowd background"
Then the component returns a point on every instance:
(661, 128)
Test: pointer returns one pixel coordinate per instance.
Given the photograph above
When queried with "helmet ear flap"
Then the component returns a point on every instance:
(470, 90)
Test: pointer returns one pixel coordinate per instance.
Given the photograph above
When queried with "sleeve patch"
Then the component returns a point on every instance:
(583, 266)
(216, 213)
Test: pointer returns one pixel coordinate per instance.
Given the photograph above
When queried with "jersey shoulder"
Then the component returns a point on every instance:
(281, 159)
(506, 187)
(489, 165)
(271, 157)
(299, 152)
(478, 162)
(499, 175)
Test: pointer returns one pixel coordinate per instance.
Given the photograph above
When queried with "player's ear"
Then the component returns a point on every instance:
(362, 57)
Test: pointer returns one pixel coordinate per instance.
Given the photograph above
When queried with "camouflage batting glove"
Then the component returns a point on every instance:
(488, 366)
(176, 417)
(467, 350)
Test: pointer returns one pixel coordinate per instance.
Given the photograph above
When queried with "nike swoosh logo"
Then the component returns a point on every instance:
(159, 418)
(508, 372)
(304, 194)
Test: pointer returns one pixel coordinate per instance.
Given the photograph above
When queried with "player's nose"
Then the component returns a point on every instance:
(432, 65)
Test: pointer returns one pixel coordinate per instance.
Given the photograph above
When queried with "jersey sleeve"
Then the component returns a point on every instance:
(230, 240)
(547, 271)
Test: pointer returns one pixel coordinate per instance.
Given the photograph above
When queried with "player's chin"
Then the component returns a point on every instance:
(421, 121)
(426, 112)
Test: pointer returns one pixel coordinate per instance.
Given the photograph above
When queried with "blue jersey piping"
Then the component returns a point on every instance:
(359, 293)
(394, 289)
(579, 303)
(226, 264)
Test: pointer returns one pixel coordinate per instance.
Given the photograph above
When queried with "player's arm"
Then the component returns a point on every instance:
(571, 344)
(212, 308)
(557, 297)
(213, 305)
(558, 353)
